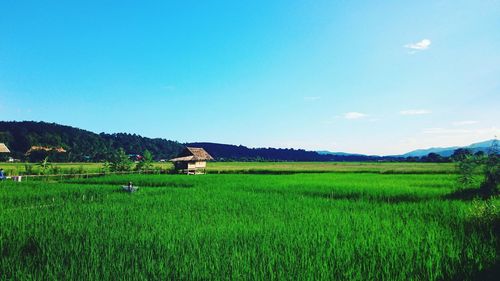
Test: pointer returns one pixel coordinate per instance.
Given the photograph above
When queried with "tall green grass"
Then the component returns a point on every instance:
(255, 167)
(272, 227)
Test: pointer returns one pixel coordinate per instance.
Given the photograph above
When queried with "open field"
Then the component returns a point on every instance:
(345, 226)
(326, 167)
(262, 167)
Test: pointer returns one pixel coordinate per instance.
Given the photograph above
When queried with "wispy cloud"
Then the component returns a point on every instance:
(485, 132)
(464, 123)
(354, 115)
(419, 46)
(439, 131)
(415, 112)
(312, 98)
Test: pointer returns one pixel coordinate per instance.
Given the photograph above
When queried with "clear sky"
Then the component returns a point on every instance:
(377, 77)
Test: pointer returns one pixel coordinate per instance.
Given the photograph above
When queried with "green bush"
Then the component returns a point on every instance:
(120, 162)
(466, 168)
(491, 175)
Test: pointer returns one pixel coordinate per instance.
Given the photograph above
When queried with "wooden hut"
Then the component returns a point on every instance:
(192, 161)
(3, 148)
(35, 148)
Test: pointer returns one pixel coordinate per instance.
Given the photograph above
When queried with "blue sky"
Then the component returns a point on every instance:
(377, 77)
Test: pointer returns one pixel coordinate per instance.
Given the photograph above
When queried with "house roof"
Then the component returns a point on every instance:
(193, 154)
(3, 148)
(44, 148)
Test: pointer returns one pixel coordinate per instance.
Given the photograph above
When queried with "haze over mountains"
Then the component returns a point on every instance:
(448, 151)
(84, 145)
(443, 151)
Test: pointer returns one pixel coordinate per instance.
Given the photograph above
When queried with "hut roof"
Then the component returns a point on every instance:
(3, 148)
(44, 148)
(193, 154)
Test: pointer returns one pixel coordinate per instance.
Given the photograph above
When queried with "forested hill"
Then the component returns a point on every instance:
(228, 152)
(81, 145)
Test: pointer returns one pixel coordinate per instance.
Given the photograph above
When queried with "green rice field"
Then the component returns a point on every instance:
(350, 221)
(258, 167)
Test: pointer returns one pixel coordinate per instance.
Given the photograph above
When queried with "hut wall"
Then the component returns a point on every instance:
(201, 164)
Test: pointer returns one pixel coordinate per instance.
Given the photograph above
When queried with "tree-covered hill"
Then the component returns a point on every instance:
(229, 152)
(81, 145)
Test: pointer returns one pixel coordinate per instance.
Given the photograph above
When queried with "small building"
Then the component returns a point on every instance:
(38, 153)
(36, 148)
(3, 148)
(192, 161)
(12, 160)
(135, 157)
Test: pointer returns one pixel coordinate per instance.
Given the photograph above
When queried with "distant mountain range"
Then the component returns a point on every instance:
(442, 151)
(448, 151)
(82, 145)
(326, 152)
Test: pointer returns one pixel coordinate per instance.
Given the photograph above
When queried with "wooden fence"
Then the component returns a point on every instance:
(84, 175)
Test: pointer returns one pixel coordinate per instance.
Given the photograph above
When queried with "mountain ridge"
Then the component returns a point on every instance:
(448, 151)
(84, 145)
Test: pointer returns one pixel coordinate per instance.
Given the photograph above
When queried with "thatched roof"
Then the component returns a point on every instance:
(3, 148)
(193, 154)
(44, 148)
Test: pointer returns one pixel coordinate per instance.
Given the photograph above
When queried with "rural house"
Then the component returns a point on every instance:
(3, 148)
(46, 149)
(192, 161)
(38, 153)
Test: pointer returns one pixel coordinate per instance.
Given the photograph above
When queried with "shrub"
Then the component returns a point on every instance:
(466, 168)
(28, 169)
(120, 162)
(491, 175)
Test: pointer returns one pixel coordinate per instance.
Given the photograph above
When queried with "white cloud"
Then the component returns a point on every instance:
(414, 112)
(313, 98)
(464, 123)
(485, 133)
(441, 131)
(354, 115)
(419, 46)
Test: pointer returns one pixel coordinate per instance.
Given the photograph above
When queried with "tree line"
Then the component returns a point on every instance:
(85, 146)
(80, 145)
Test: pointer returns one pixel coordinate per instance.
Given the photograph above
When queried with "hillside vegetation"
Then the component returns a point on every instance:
(85, 146)
(80, 145)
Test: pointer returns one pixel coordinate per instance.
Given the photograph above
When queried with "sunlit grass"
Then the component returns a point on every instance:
(345, 226)
(259, 167)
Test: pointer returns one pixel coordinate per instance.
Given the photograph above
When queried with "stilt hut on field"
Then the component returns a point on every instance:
(4, 151)
(3, 148)
(192, 161)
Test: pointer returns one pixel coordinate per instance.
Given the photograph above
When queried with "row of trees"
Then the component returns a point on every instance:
(121, 162)
(457, 155)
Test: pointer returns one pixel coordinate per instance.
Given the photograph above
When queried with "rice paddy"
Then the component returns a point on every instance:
(254, 167)
(304, 226)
